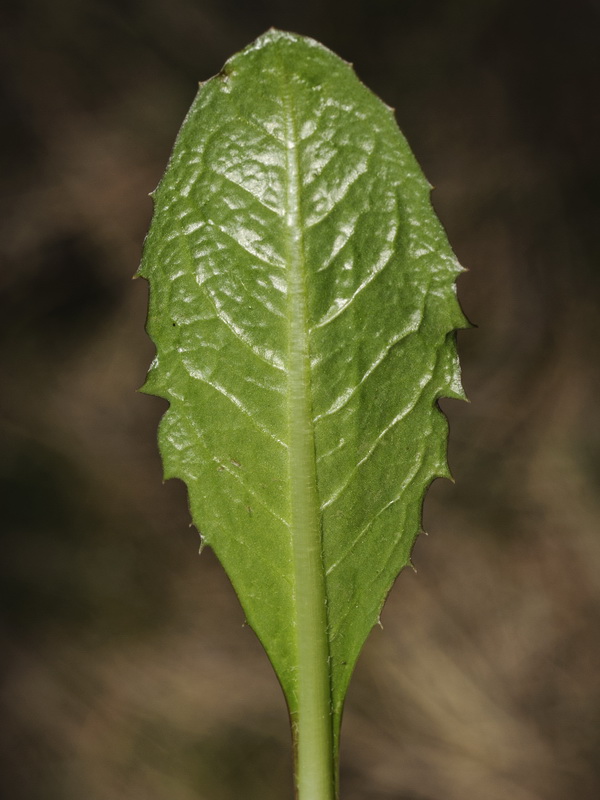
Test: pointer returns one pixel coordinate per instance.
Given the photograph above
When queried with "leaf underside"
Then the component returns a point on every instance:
(302, 303)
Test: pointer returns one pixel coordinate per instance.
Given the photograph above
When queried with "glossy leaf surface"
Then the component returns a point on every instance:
(303, 305)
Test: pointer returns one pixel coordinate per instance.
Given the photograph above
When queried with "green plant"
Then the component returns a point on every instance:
(302, 303)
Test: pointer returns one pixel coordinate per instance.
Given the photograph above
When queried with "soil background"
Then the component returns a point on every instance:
(126, 671)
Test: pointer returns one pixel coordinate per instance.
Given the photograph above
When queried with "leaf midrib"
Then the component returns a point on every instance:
(312, 721)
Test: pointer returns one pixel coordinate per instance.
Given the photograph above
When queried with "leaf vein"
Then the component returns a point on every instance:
(335, 311)
(362, 170)
(408, 481)
(264, 131)
(245, 189)
(198, 375)
(224, 318)
(398, 418)
(244, 246)
(259, 499)
(343, 399)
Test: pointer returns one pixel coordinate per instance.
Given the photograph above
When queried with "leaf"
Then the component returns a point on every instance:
(303, 308)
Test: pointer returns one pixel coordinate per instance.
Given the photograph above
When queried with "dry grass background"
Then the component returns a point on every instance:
(126, 669)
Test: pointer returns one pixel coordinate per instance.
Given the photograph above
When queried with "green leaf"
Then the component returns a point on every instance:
(303, 308)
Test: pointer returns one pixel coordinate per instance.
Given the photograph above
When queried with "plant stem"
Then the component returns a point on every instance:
(312, 722)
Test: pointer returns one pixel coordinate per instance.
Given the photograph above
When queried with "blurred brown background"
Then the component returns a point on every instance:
(126, 672)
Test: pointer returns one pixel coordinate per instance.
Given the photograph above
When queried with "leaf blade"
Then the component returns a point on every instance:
(297, 270)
